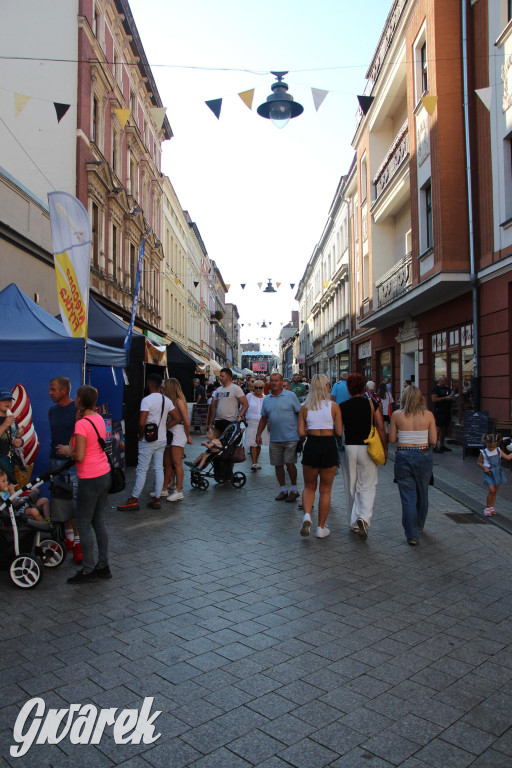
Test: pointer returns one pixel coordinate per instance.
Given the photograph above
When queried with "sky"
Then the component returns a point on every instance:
(259, 195)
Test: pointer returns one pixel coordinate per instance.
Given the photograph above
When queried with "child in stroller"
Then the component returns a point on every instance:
(26, 506)
(219, 455)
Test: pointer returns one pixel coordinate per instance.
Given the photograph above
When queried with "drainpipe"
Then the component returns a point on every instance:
(474, 281)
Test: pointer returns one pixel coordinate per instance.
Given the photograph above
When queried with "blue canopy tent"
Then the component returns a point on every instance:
(34, 346)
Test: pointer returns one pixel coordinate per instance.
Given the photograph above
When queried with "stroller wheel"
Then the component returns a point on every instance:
(238, 480)
(26, 571)
(204, 484)
(52, 553)
(195, 479)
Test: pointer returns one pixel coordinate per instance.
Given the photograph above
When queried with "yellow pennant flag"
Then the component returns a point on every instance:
(177, 280)
(20, 101)
(247, 97)
(429, 102)
(122, 115)
(326, 284)
(228, 286)
(277, 285)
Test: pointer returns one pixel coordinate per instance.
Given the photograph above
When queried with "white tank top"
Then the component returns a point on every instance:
(412, 437)
(322, 418)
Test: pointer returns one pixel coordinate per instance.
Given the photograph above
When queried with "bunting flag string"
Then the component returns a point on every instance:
(318, 97)
(365, 103)
(61, 110)
(122, 115)
(485, 96)
(196, 283)
(242, 285)
(247, 97)
(259, 285)
(429, 102)
(20, 101)
(215, 105)
(277, 285)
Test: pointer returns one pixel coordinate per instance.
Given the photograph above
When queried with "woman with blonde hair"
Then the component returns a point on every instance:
(174, 453)
(414, 428)
(253, 415)
(319, 420)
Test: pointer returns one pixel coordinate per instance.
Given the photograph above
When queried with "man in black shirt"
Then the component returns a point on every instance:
(442, 400)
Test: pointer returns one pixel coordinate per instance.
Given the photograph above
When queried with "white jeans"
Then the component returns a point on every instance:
(360, 478)
(148, 451)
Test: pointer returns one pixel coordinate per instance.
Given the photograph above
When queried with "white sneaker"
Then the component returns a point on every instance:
(306, 525)
(175, 496)
(322, 533)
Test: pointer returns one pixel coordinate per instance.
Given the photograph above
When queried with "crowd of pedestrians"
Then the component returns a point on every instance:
(330, 426)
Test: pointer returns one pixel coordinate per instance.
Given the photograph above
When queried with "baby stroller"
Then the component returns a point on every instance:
(218, 465)
(28, 546)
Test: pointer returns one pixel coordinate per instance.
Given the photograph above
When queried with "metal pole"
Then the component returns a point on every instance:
(473, 274)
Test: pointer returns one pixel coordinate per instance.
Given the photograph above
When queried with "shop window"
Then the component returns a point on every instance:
(424, 67)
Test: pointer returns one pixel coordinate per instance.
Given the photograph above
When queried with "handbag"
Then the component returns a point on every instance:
(117, 478)
(151, 429)
(374, 443)
(239, 454)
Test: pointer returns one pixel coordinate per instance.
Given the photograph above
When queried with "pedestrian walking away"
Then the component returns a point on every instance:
(442, 399)
(157, 414)
(319, 421)
(359, 472)
(280, 411)
(413, 427)
(178, 436)
(493, 475)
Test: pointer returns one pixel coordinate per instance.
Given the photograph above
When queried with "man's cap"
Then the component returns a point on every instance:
(5, 394)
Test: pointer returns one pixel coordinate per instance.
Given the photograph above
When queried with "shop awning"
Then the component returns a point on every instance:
(215, 368)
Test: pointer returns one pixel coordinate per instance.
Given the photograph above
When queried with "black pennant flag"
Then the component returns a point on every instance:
(61, 110)
(195, 283)
(292, 286)
(242, 285)
(215, 106)
(365, 103)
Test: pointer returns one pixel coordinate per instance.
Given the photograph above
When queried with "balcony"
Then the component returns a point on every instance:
(395, 282)
(396, 155)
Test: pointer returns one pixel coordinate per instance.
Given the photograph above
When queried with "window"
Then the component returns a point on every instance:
(115, 252)
(133, 105)
(428, 216)
(364, 179)
(95, 132)
(424, 71)
(95, 221)
(134, 176)
(509, 10)
(115, 153)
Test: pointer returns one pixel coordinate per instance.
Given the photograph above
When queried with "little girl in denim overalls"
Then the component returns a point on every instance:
(493, 474)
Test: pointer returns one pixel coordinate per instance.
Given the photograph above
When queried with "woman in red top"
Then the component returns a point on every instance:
(93, 485)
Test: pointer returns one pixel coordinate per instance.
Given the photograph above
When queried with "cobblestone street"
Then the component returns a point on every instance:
(264, 649)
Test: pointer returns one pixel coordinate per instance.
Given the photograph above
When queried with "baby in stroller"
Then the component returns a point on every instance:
(213, 445)
(25, 506)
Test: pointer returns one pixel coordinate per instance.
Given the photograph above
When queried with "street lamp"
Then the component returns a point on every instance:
(280, 106)
(270, 288)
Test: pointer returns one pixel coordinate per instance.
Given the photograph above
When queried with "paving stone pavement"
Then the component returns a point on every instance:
(262, 648)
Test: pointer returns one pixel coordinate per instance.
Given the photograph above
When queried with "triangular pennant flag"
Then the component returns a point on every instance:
(247, 97)
(249, 325)
(20, 101)
(259, 285)
(158, 115)
(270, 322)
(228, 286)
(242, 285)
(277, 285)
(429, 102)
(122, 115)
(177, 280)
(365, 103)
(485, 94)
(242, 325)
(326, 283)
(61, 110)
(196, 283)
(318, 97)
(215, 105)
(292, 286)
(280, 323)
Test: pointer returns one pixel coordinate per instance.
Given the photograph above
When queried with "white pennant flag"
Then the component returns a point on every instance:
(485, 95)
(318, 97)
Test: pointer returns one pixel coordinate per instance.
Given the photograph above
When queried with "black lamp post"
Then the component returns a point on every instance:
(280, 106)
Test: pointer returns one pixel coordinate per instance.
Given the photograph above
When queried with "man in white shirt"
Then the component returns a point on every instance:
(155, 408)
(229, 404)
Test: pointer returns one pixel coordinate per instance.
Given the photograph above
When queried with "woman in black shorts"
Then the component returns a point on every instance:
(319, 421)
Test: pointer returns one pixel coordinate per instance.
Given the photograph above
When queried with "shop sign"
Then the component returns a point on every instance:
(341, 346)
(364, 350)
(385, 357)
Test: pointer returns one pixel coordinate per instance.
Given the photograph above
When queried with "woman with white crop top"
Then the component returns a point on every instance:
(319, 420)
(413, 427)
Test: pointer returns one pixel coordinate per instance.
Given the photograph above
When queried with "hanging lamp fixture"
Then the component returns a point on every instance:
(280, 106)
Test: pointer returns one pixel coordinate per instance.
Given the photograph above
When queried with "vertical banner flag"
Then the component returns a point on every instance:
(71, 239)
(140, 264)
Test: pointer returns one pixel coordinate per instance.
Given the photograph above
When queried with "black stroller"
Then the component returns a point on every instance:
(28, 546)
(218, 465)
